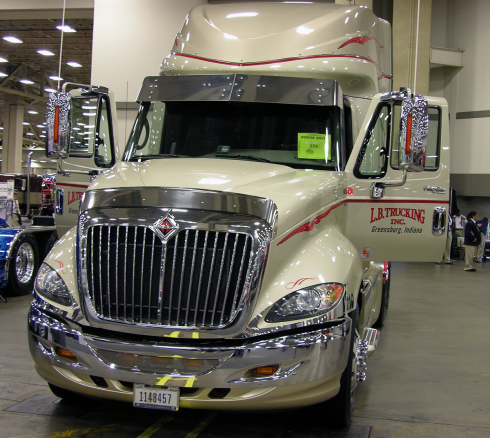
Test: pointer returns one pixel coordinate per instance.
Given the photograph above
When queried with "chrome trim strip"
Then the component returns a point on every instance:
(183, 199)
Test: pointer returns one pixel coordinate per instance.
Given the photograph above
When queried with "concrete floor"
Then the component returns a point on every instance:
(429, 377)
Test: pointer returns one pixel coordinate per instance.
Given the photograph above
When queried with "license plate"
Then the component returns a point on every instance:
(156, 397)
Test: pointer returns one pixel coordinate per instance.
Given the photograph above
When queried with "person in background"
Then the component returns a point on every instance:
(459, 222)
(446, 258)
(472, 238)
(16, 217)
(483, 226)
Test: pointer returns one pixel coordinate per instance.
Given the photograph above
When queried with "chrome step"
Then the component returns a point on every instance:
(370, 337)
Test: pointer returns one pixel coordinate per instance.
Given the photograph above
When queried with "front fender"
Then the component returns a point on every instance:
(322, 255)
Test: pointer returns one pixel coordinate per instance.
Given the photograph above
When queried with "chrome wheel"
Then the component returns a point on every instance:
(25, 263)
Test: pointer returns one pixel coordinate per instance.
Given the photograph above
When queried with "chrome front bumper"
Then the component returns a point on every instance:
(302, 359)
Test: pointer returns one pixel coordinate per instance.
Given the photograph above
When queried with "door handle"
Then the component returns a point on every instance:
(439, 221)
(59, 201)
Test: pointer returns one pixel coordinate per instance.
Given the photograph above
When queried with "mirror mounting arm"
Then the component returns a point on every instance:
(66, 173)
(378, 188)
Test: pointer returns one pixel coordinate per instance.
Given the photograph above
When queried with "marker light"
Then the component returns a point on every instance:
(66, 354)
(265, 371)
(408, 139)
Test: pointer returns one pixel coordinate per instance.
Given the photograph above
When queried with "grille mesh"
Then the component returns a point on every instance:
(196, 279)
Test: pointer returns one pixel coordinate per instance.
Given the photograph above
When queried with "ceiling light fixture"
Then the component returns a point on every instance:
(26, 81)
(45, 52)
(65, 28)
(74, 64)
(12, 39)
(3, 59)
(32, 112)
(55, 78)
(50, 90)
(26, 123)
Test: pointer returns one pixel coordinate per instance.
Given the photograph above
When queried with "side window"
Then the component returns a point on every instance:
(433, 139)
(104, 138)
(373, 157)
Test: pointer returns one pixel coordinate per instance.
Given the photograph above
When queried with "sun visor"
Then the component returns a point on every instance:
(240, 87)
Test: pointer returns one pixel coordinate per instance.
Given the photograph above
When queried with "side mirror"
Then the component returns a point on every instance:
(414, 128)
(72, 120)
(58, 125)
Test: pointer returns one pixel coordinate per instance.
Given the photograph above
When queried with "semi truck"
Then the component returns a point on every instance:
(235, 258)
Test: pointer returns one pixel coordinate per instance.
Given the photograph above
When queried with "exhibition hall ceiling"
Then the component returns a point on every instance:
(21, 61)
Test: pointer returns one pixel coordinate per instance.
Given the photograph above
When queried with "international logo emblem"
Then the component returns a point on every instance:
(165, 227)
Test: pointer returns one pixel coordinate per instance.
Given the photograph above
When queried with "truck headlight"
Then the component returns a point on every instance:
(51, 285)
(306, 303)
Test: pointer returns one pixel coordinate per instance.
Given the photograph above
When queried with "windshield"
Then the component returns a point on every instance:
(299, 136)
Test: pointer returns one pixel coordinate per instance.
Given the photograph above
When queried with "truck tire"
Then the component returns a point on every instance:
(385, 301)
(341, 407)
(24, 265)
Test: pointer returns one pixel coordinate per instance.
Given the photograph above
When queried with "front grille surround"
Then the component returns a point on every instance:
(233, 246)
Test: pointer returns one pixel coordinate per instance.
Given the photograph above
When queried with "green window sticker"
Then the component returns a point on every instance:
(314, 147)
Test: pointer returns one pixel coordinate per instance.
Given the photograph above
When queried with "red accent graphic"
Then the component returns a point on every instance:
(249, 64)
(72, 185)
(298, 282)
(366, 253)
(360, 40)
(62, 268)
(349, 191)
(308, 226)
(166, 227)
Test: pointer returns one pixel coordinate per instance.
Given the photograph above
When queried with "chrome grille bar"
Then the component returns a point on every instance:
(242, 263)
(151, 276)
(229, 279)
(108, 270)
(200, 276)
(117, 276)
(182, 276)
(125, 273)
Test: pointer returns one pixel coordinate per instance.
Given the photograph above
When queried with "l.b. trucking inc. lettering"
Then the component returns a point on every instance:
(397, 215)
(74, 196)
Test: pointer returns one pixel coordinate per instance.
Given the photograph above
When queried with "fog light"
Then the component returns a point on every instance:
(99, 381)
(265, 371)
(66, 354)
(219, 392)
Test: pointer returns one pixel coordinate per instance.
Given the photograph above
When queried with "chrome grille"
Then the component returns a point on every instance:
(195, 279)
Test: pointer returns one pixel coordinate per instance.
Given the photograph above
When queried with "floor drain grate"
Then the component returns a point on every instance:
(50, 405)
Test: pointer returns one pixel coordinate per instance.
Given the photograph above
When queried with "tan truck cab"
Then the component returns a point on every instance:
(235, 258)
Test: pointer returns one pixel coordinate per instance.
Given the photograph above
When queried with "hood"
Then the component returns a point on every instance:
(297, 193)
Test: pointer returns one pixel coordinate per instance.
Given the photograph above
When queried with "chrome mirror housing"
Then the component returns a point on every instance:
(58, 125)
(414, 128)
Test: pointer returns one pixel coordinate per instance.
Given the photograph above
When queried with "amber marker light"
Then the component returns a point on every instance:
(56, 124)
(408, 139)
(265, 371)
(66, 354)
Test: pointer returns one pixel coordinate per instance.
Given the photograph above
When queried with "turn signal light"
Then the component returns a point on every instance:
(265, 371)
(66, 354)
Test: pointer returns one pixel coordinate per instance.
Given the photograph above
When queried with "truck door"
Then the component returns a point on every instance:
(389, 217)
(92, 150)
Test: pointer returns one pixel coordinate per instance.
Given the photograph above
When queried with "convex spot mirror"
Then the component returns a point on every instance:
(71, 125)
(414, 128)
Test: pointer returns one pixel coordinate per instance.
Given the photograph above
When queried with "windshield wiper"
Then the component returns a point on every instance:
(246, 157)
(151, 157)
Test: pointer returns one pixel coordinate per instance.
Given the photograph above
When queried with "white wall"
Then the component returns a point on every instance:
(131, 38)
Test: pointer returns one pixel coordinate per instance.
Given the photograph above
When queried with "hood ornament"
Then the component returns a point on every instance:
(165, 227)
